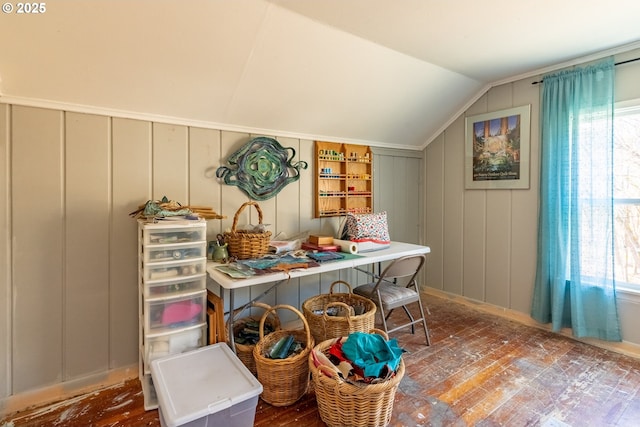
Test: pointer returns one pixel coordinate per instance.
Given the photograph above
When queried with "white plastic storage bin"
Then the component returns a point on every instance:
(162, 345)
(149, 392)
(179, 251)
(206, 387)
(172, 261)
(163, 314)
(168, 288)
(174, 269)
(170, 234)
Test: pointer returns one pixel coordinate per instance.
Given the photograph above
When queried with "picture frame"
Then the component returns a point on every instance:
(497, 149)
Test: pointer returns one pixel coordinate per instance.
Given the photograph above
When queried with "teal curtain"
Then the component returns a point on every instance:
(575, 284)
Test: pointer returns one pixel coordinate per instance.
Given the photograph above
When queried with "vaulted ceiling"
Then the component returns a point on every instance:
(380, 72)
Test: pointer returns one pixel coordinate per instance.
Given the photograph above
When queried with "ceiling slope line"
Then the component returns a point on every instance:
(374, 43)
(257, 43)
(460, 112)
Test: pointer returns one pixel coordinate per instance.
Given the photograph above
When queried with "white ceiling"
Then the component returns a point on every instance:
(381, 72)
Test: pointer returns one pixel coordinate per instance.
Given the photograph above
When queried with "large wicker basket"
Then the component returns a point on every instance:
(246, 244)
(245, 351)
(284, 381)
(355, 405)
(324, 326)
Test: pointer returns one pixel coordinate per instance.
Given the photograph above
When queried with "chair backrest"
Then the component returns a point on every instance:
(407, 266)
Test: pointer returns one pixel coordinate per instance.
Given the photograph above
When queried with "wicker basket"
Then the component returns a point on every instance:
(245, 351)
(324, 327)
(284, 381)
(244, 244)
(355, 405)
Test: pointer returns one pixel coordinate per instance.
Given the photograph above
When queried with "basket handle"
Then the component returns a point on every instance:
(297, 313)
(339, 282)
(348, 309)
(379, 332)
(240, 209)
(276, 318)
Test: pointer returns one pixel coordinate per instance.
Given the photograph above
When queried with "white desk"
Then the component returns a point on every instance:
(396, 250)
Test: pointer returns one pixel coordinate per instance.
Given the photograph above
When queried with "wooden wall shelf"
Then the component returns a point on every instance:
(344, 179)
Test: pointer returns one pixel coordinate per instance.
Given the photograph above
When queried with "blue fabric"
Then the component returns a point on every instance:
(372, 352)
(575, 284)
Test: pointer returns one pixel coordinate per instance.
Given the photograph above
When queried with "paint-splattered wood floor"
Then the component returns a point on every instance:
(481, 370)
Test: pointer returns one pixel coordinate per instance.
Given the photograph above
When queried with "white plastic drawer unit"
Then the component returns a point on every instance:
(174, 287)
(174, 269)
(157, 346)
(175, 252)
(170, 234)
(165, 314)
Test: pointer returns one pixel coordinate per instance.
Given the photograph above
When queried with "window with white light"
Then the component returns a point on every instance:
(627, 196)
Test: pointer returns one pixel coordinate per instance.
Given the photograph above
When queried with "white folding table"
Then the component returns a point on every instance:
(394, 251)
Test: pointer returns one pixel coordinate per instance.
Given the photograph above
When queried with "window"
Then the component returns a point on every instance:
(627, 196)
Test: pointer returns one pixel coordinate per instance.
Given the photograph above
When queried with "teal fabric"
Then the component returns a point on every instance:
(575, 284)
(372, 352)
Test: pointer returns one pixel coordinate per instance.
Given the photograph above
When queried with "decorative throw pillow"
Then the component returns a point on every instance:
(367, 228)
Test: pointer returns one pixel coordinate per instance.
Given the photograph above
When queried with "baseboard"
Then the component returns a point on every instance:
(66, 390)
(624, 347)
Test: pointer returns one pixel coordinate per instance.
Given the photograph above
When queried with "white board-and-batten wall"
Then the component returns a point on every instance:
(68, 181)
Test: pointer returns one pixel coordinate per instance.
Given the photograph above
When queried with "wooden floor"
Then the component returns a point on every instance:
(480, 370)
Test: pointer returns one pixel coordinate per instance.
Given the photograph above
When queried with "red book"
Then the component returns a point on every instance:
(322, 248)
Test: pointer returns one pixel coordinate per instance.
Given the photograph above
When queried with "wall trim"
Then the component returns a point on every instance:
(158, 118)
(66, 390)
(626, 348)
(628, 294)
(395, 152)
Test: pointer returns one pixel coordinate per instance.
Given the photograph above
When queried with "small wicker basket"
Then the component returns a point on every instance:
(284, 381)
(245, 351)
(324, 327)
(246, 244)
(355, 405)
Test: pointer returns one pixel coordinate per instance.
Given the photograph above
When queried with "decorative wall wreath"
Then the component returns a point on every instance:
(261, 168)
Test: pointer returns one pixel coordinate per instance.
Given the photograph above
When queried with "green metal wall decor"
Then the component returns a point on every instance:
(261, 168)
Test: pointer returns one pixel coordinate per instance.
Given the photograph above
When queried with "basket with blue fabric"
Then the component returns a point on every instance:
(281, 360)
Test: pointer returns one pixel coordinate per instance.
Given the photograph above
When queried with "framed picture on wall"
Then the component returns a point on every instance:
(497, 149)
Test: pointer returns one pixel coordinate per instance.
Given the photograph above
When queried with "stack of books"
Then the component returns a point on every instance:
(320, 244)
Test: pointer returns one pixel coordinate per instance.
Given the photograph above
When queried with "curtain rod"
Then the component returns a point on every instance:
(617, 63)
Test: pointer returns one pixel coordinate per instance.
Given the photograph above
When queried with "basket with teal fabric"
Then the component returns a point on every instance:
(343, 403)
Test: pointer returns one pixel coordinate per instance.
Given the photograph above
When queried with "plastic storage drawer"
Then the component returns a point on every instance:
(164, 314)
(174, 269)
(175, 287)
(179, 251)
(170, 235)
(173, 343)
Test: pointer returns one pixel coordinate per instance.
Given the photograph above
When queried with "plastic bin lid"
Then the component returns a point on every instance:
(200, 382)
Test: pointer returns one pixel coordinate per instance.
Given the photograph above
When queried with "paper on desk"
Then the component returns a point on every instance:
(234, 272)
(346, 246)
